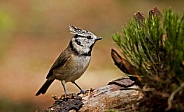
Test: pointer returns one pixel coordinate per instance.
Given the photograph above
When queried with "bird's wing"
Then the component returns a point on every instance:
(60, 61)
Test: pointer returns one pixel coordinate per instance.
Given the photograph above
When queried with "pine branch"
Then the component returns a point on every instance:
(155, 47)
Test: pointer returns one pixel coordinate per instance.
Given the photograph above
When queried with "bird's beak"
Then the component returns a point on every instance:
(98, 38)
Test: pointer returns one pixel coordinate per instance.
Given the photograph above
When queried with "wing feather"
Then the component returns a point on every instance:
(60, 61)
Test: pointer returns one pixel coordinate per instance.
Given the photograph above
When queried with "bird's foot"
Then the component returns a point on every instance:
(84, 92)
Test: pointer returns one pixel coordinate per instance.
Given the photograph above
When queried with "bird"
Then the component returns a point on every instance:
(73, 61)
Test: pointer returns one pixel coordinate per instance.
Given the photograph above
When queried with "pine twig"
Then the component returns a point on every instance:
(171, 97)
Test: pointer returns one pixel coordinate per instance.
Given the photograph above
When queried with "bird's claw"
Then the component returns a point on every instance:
(83, 92)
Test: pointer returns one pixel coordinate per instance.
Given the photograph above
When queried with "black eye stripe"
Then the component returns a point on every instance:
(89, 37)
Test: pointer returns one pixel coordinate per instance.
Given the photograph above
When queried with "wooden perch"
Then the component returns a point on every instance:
(113, 97)
(121, 94)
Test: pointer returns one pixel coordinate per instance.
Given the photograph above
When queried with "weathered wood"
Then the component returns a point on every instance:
(121, 94)
(125, 66)
(113, 97)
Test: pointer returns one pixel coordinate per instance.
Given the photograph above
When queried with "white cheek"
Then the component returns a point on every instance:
(86, 50)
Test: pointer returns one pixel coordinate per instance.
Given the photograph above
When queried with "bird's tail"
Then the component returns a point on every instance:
(44, 87)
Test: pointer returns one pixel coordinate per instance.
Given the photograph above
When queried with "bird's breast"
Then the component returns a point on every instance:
(81, 61)
(80, 64)
(74, 69)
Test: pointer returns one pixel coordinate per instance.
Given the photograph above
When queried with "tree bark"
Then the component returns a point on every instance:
(121, 94)
(115, 96)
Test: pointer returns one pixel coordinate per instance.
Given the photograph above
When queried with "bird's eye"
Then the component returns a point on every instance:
(88, 37)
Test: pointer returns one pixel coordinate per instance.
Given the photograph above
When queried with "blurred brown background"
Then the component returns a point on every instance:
(34, 32)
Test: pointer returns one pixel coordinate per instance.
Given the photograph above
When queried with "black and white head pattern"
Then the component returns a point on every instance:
(83, 40)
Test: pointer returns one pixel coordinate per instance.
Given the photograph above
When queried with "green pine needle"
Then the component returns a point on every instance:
(156, 49)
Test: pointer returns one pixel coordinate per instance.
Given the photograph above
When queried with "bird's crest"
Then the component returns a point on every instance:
(77, 31)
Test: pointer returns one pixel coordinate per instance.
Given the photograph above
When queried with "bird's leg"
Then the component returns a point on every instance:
(63, 84)
(81, 90)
